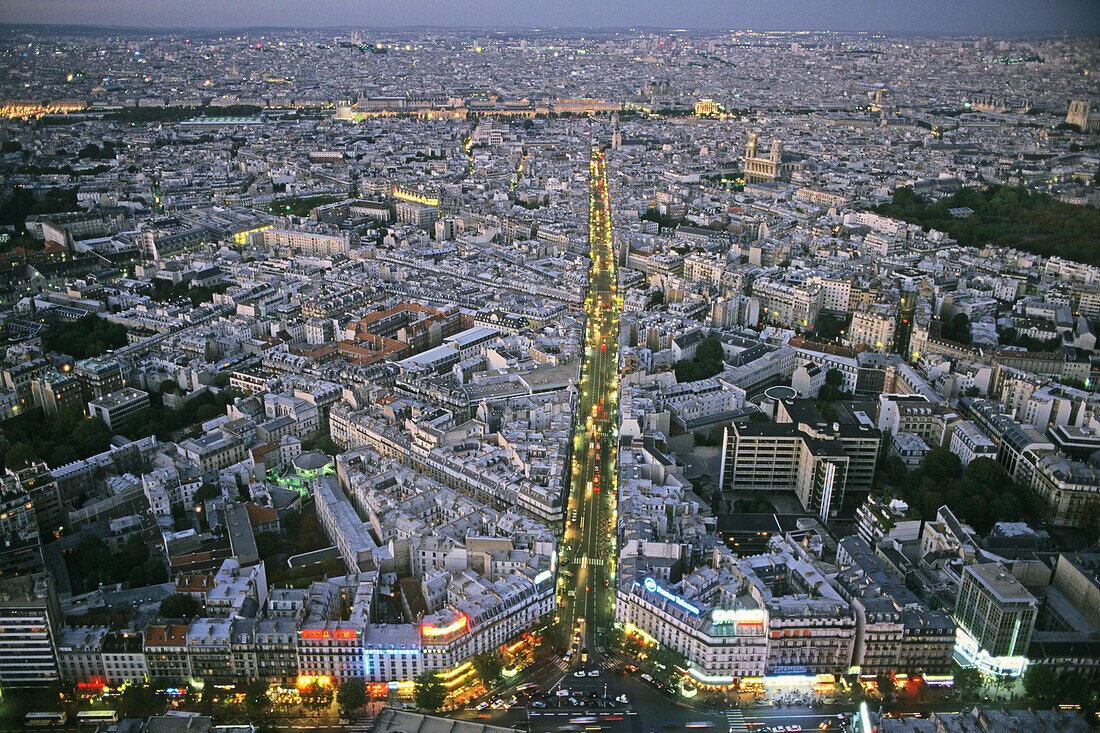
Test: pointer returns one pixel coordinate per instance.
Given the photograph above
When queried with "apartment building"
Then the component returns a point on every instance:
(968, 443)
(788, 304)
(212, 452)
(873, 327)
(722, 641)
(914, 414)
(288, 238)
(98, 377)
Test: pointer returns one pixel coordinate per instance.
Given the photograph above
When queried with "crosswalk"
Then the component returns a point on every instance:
(737, 721)
(596, 562)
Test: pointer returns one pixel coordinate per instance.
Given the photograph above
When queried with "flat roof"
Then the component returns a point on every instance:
(1001, 583)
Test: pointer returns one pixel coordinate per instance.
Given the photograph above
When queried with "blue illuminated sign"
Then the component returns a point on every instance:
(651, 586)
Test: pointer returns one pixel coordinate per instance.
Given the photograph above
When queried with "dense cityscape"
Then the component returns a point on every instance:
(540, 381)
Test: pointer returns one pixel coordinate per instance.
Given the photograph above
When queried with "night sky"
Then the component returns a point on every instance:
(929, 16)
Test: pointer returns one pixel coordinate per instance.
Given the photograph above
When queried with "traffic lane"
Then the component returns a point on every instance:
(808, 718)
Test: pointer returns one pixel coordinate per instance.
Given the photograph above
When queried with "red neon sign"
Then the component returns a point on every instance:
(326, 634)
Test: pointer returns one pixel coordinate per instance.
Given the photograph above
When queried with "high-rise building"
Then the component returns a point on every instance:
(29, 620)
(996, 611)
(818, 460)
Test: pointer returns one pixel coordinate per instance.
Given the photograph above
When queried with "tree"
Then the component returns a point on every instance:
(708, 361)
(206, 412)
(255, 696)
(552, 640)
(207, 492)
(488, 666)
(1076, 688)
(19, 455)
(315, 697)
(831, 391)
(668, 664)
(139, 701)
(89, 557)
(292, 522)
(1005, 682)
(429, 692)
(885, 683)
(352, 694)
(940, 465)
(859, 692)
(91, 436)
(86, 337)
(1015, 217)
(1041, 683)
(181, 606)
(968, 681)
(957, 329)
(709, 349)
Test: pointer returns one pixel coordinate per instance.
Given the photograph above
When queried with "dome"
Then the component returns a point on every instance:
(311, 461)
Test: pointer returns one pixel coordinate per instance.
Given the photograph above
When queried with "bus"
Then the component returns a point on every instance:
(44, 720)
(95, 717)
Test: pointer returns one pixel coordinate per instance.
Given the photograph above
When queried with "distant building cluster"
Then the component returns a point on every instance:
(329, 339)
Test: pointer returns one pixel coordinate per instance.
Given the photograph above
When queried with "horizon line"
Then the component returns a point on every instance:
(1042, 33)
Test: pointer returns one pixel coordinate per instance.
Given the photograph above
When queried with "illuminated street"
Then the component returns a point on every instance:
(588, 556)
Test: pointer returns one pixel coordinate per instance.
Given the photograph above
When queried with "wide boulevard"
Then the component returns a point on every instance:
(588, 550)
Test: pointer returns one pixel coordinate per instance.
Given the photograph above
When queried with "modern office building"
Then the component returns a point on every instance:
(820, 461)
(996, 617)
(118, 408)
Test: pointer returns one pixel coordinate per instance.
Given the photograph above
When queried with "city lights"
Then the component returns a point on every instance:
(461, 623)
(651, 585)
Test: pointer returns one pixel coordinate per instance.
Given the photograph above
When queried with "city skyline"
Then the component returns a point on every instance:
(979, 17)
(655, 380)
